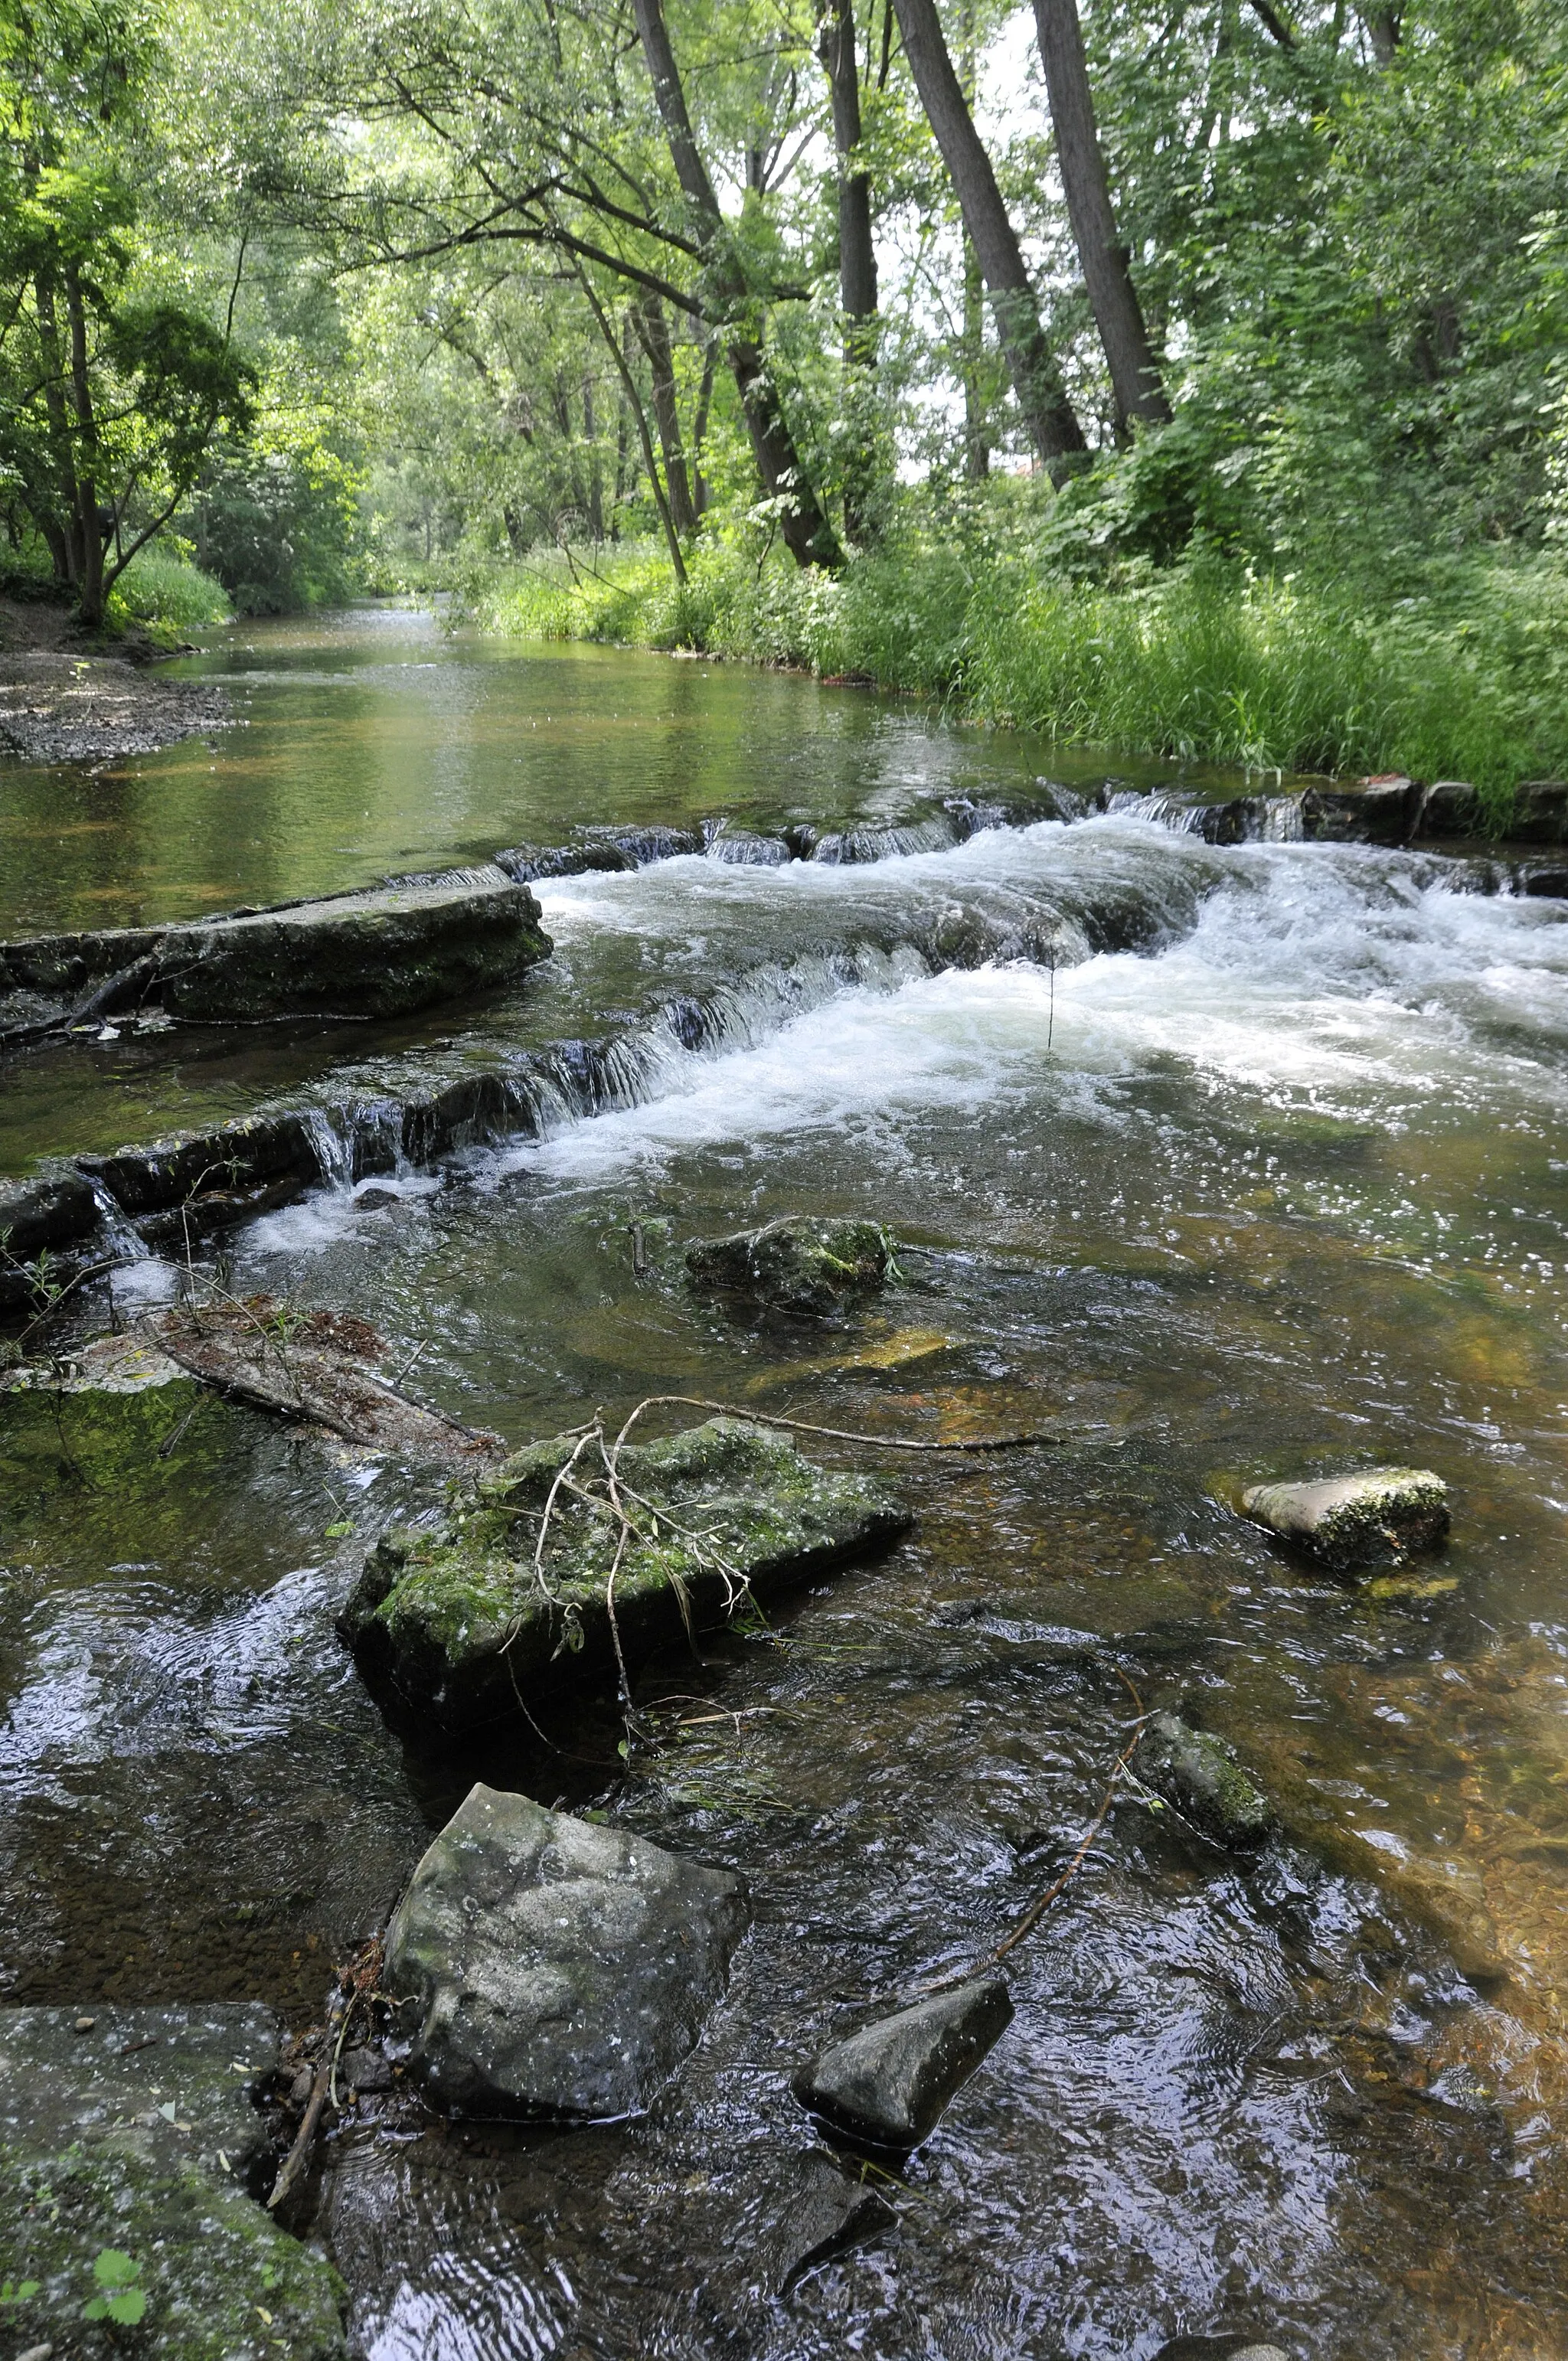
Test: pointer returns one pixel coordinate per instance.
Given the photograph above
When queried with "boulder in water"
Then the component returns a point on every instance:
(1540, 813)
(457, 1621)
(133, 2133)
(1200, 1775)
(559, 1969)
(888, 2084)
(818, 2212)
(800, 1265)
(1347, 1521)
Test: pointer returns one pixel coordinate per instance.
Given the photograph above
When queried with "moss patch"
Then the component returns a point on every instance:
(459, 1618)
(808, 1267)
(219, 2280)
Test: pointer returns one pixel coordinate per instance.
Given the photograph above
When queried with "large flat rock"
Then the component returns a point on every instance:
(382, 953)
(458, 1622)
(558, 1969)
(135, 2130)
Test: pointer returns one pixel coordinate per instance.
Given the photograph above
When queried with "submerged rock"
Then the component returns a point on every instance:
(456, 1621)
(818, 2212)
(1199, 1775)
(1353, 1521)
(888, 2083)
(798, 1264)
(560, 1968)
(134, 2131)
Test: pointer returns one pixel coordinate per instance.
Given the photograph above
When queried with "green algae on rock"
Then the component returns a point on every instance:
(460, 1620)
(807, 1266)
(1200, 1775)
(1347, 1521)
(134, 2131)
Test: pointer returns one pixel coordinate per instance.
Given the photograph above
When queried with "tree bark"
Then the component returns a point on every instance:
(1037, 381)
(977, 442)
(856, 254)
(653, 335)
(808, 534)
(1107, 266)
(90, 539)
(857, 266)
(1383, 24)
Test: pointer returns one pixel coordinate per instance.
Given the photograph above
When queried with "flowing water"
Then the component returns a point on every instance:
(1278, 1191)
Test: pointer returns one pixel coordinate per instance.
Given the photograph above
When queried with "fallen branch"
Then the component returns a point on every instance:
(839, 1433)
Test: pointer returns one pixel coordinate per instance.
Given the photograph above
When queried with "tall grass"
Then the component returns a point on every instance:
(1469, 681)
(161, 588)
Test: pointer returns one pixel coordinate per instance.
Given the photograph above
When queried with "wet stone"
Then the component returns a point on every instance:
(141, 2135)
(453, 1622)
(1199, 1775)
(559, 1969)
(818, 2212)
(888, 2084)
(1347, 1521)
(808, 1267)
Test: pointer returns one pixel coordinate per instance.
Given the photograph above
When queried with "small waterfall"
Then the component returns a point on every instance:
(1281, 820)
(331, 1140)
(853, 845)
(742, 849)
(123, 1239)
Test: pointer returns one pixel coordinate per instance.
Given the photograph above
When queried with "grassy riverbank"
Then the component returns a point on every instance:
(1464, 678)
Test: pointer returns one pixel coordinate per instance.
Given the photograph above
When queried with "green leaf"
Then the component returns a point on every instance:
(124, 2309)
(114, 2270)
(19, 2291)
(337, 1533)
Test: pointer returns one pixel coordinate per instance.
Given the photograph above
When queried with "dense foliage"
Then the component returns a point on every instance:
(639, 318)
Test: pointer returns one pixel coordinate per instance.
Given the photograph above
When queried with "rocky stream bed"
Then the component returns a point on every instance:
(781, 1584)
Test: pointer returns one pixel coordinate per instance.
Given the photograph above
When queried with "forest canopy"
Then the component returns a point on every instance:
(806, 326)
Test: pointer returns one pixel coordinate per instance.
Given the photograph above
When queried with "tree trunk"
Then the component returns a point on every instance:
(1383, 24)
(653, 335)
(857, 266)
(596, 464)
(1037, 381)
(90, 539)
(856, 254)
(699, 426)
(977, 442)
(1107, 266)
(60, 530)
(809, 536)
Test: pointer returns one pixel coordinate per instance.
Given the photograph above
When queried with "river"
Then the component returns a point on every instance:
(1282, 1191)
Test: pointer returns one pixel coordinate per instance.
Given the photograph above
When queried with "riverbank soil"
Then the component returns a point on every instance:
(71, 696)
(1263, 1187)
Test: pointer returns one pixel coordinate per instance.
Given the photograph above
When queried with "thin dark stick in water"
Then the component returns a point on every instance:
(837, 1433)
(298, 2156)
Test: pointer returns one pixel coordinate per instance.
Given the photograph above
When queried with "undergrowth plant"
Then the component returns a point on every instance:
(1203, 662)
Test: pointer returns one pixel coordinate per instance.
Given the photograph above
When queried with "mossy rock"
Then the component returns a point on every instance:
(131, 2134)
(1199, 1775)
(218, 2279)
(1346, 1521)
(455, 1622)
(809, 1268)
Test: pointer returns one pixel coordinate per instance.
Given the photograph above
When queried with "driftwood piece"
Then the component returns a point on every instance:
(314, 1366)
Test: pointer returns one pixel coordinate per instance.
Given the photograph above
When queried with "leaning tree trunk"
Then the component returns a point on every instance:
(1037, 381)
(1107, 266)
(653, 335)
(856, 264)
(807, 535)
